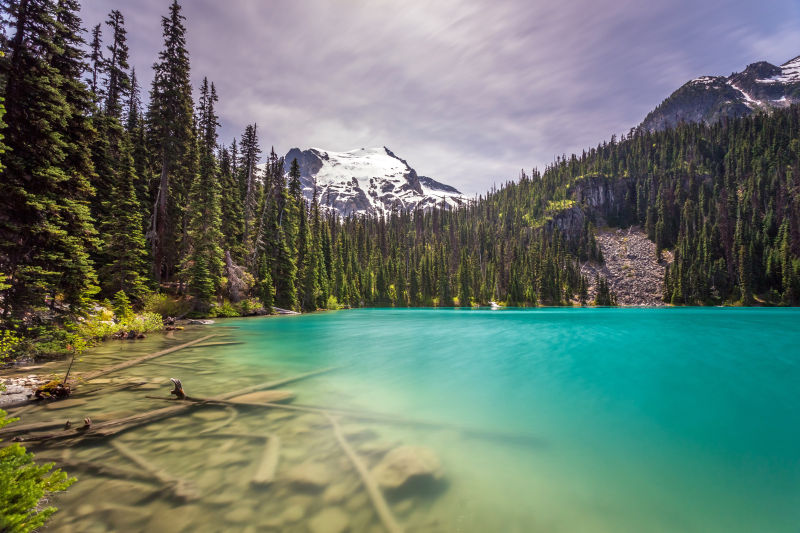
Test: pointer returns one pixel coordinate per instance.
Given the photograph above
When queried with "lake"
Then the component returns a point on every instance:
(551, 420)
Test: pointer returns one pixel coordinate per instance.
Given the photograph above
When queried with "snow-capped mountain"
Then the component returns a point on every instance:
(761, 86)
(369, 180)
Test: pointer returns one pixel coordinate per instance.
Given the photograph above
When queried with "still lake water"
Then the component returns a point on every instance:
(585, 420)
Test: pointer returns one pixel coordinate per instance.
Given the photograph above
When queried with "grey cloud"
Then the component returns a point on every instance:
(468, 91)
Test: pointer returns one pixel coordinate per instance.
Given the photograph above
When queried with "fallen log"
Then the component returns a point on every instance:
(88, 376)
(265, 473)
(179, 488)
(516, 438)
(100, 469)
(220, 343)
(117, 426)
(375, 495)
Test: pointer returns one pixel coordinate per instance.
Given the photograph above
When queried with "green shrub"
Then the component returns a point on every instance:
(10, 344)
(25, 487)
(333, 303)
(165, 305)
(226, 310)
(250, 306)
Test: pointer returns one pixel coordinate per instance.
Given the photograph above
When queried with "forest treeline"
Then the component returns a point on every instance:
(106, 193)
(103, 192)
(725, 198)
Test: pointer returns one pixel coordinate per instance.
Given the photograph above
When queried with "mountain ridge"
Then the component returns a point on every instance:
(760, 87)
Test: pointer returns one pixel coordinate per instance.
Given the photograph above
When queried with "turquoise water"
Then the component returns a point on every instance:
(628, 419)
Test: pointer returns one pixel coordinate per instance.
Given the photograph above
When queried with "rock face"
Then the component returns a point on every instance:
(760, 87)
(407, 465)
(630, 267)
(368, 181)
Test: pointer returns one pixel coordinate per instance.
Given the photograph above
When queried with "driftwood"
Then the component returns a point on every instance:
(516, 438)
(177, 388)
(179, 488)
(100, 469)
(220, 343)
(265, 473)
(117, 426)
(375, 495)
(88, 376)
(252, 436)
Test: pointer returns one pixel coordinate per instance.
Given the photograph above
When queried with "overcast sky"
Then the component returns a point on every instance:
(468, 92)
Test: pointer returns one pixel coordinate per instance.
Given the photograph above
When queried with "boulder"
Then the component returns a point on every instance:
(329, 520)
(310, 476)
(407, 465)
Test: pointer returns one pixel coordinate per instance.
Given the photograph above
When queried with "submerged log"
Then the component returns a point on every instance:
(179, 488)
(375, 495)
(88, 376)
(117, 426)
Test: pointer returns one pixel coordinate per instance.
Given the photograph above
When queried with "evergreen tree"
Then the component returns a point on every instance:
(125, 245)
(169, 121)
(118, 83)
(206, 256)
(46, 228)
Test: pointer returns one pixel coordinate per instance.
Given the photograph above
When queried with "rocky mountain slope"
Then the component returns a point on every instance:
(760, 87)
(369, 180)
(630, 267)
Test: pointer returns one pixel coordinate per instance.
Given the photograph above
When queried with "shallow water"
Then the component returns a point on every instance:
(590, 420)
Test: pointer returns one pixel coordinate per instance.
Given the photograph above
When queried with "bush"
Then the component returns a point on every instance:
(251, 306)
(25, 487)
(226, 310)
(333, 303)
(94, 329)
(10, 344)
(165, 305)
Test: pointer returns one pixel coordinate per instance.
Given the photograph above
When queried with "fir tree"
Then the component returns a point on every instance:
(169, 121)
(46, 229)
(118, 83)
(206, 256)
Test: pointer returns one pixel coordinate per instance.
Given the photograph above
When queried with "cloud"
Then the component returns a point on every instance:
(468, 91)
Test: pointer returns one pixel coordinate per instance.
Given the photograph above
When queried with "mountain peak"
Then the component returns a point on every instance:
(761, 86)
(370, 180)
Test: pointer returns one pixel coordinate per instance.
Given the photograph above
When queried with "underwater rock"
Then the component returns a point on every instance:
(239, 515)
(405, 465)
(293, 513)
(335, 493)
(310, 476)
(329, 520)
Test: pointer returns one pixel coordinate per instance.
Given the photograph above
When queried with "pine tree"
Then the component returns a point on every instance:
(46, 228)
(169, 119)
(118, 83)
(205, 234)
(249, 158)
(96, 59)
(125, 245)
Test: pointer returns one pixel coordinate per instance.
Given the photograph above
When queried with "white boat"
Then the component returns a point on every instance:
(494, 305)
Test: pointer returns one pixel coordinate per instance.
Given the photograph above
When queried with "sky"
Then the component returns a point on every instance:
(468, 92)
